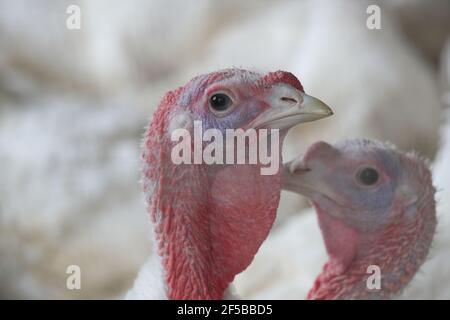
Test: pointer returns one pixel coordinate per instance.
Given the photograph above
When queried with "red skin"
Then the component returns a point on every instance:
(282, 77)
(392, 250)
(209, 223)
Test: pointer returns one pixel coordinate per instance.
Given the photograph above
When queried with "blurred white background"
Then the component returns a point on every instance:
(74, 104)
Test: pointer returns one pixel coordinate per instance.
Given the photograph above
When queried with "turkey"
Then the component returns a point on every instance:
(209, 220)
(375, 208)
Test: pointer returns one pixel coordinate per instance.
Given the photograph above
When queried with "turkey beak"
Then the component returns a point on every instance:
(305, 175)
(299, 178)
(290, 107)
(295, 178)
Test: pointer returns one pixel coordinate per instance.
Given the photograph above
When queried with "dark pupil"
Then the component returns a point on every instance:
(220, 101)
(368, 176)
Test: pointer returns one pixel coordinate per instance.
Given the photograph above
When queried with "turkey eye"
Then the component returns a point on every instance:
(220, 102)
(368, 176)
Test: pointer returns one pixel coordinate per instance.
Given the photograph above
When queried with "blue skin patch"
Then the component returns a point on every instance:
(247, 110)
(370, 205)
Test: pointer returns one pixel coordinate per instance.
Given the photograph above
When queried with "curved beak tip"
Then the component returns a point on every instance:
(315, 107)
(286, 115)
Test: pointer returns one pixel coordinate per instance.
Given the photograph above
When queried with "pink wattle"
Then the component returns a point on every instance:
(341, 245)
(339, 238)
(213, 235)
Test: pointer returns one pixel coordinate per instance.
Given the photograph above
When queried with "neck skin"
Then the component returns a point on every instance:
(398, 250)
(217, 236)
(209, 221)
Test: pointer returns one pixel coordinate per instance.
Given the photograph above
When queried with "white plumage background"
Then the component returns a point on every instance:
(74, 103)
